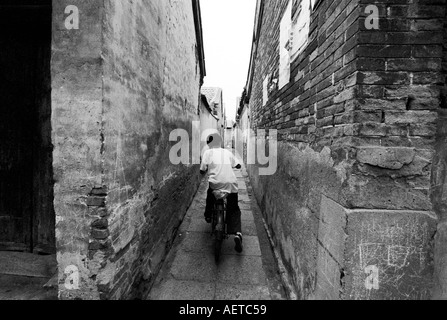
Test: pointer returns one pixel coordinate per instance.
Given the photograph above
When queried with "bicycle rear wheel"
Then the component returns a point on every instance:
(217, 250)
(219, 231)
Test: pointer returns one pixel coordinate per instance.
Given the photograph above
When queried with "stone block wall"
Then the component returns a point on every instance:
(123, 81)
(350, 205)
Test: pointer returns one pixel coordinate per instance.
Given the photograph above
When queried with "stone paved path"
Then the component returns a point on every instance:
(190, 272)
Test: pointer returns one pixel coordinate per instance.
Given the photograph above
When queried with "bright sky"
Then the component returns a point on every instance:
(228, 33)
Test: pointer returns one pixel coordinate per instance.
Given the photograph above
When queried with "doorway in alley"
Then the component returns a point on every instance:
(27, 218)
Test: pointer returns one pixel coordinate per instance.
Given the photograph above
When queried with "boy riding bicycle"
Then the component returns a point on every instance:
(219, 163)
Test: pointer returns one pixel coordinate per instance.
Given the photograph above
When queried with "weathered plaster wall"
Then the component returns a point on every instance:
(349, 205)
(77, 93)
(151, 87)
(242, 132)
(122, 83)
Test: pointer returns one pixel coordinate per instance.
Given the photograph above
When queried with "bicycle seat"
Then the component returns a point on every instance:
(220, 195)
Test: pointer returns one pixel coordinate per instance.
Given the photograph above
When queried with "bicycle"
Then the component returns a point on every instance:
(219, 222)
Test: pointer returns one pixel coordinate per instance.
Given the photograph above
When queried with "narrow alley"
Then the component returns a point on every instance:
(191, 273)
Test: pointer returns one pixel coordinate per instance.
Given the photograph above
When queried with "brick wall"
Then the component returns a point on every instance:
(127, 199)
(439, 186)
(400, 73)
(356, 131)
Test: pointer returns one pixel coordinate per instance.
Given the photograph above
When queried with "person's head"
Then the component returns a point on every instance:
(214, 141)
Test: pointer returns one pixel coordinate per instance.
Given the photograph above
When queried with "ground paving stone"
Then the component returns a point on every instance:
(191, 273)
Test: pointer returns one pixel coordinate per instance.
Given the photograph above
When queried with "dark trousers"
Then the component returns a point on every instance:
(234, 224)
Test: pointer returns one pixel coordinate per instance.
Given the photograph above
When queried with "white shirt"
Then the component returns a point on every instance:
(220, 164)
